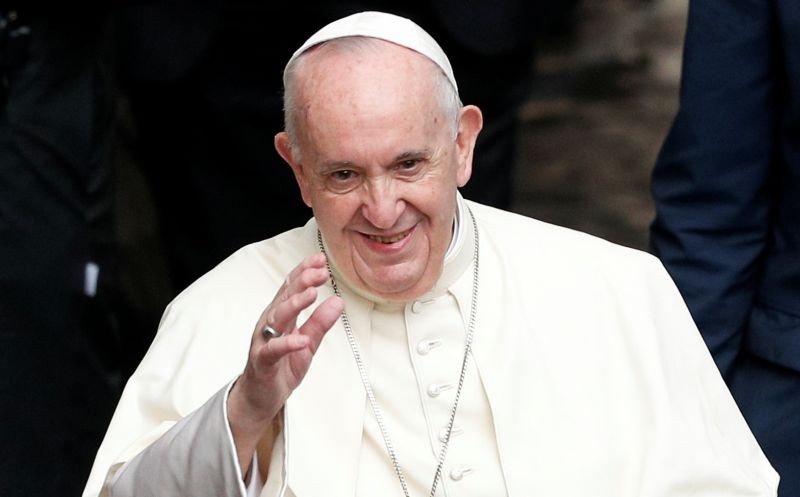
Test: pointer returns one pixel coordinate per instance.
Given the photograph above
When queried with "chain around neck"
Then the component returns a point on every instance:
(368, 386)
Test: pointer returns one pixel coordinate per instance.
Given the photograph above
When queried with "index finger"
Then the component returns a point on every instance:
(306, 274)
(296, 293)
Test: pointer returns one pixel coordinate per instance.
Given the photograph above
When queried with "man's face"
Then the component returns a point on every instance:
(379, 166)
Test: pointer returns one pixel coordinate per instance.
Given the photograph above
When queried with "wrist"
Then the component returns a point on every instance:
(245, 417)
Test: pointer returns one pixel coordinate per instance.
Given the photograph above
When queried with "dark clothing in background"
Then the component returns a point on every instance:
(205, 97)
(58, 343)
(727, 193)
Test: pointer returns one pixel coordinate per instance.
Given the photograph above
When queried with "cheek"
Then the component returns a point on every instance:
(334, 212)
(439, 198)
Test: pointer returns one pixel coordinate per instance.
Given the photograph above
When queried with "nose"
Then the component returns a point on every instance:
(382, 205)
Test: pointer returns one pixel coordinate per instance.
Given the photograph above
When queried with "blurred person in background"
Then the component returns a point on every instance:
(727, 192)
(59, 342)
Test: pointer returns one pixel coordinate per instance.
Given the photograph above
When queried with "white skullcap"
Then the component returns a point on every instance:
(388, 27)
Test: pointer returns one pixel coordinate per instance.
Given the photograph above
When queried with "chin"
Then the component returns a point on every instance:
(390, 284)
(389, 289)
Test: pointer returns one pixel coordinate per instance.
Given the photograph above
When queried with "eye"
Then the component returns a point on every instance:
(342, 180)
(409, 164)
(342, 175)
(409, 168)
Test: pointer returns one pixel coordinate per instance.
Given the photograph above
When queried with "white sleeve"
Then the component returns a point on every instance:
(195, 457)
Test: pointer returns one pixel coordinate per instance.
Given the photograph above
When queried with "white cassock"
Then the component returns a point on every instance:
(587, 378)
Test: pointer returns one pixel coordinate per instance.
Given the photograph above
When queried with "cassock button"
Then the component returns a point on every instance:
(459, 473)
(425, 346)
(443, 433)
(417, 306)
(434, 389)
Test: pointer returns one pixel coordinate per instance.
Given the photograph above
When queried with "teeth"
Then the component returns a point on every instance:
(388, 239)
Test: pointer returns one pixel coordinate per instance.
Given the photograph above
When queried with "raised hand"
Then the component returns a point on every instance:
(275, 366)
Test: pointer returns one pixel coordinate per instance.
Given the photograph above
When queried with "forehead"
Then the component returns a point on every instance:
(359, 63)
(379, 88)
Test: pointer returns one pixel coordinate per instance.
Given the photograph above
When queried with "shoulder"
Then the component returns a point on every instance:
(565, 262)
(261, 265)
(233, 294)
(515, 235)
(210, 323)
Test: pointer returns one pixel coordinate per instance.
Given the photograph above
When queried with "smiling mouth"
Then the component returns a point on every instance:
(389, 239)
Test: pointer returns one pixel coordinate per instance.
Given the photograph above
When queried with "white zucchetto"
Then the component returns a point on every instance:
(388, 27)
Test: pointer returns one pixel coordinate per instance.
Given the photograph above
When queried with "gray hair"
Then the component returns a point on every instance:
(446, 93)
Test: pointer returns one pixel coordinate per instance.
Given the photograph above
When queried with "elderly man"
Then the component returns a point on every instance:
(417, 343)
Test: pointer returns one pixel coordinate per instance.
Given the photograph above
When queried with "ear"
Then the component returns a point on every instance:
(470, 123)
(284, 148)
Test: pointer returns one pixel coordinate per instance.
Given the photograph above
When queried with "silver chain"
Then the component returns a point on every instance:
(362, 370)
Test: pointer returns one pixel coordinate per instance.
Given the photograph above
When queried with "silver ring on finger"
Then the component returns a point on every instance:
(270, 332)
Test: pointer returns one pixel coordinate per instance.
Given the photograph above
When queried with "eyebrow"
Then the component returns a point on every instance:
(338, 164)
(412, 154)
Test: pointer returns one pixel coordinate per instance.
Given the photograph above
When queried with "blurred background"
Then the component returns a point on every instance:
(599, 108)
